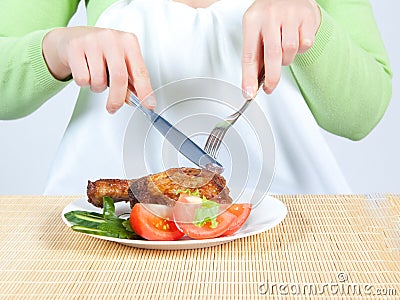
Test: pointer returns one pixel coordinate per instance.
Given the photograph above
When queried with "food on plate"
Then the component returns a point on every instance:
(105, 224)
(160, 187)
(242, 212)
(153, 227)
(195, 217)
(114, 188)
(165, 206)
(200, 218)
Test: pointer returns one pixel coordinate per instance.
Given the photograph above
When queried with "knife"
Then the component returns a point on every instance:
(177, 139)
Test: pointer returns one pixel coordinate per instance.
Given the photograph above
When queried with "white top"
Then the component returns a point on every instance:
(180, 42)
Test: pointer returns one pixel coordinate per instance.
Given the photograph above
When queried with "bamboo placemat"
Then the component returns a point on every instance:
(327, 247)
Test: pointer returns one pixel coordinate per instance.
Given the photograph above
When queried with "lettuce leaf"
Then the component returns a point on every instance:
(207, 213)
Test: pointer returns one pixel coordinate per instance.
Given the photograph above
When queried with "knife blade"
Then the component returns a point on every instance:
(177, 139)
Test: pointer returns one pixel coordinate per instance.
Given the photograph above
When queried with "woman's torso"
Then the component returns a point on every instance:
(177, 42)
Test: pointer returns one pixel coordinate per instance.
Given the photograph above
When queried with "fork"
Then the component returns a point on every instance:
(217, 134)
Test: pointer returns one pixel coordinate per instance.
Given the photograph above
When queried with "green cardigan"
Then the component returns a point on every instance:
(345, 78)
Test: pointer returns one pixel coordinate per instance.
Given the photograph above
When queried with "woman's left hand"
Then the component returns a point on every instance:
(274, 31)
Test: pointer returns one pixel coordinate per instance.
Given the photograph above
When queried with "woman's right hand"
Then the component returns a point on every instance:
(89, 53)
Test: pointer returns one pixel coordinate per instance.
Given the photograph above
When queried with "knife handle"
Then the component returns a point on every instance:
(132, 100)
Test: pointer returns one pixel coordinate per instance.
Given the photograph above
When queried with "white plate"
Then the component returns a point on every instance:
(266, 215)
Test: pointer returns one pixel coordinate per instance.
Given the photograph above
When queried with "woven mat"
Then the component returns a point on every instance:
(327, 247)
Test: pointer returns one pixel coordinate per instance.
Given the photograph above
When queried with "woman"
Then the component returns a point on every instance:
(338, 65)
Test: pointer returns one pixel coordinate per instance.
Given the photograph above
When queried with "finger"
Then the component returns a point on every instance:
(97, 69)
(272, 56)
(137, 70)
(131, 87)
(306, 35)
(290, 42)
(79, 68)
(118, 81)
(251, 55)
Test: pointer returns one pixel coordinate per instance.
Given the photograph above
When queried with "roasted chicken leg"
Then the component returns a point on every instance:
(160, 188)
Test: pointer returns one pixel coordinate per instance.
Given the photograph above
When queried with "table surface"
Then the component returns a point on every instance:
(328, 246)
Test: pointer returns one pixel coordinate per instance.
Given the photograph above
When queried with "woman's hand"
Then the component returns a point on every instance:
(274, 31)
(97, 57)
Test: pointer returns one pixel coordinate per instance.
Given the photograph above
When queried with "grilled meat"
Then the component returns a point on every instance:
(163, 187)
(160, 188)
(114, 188)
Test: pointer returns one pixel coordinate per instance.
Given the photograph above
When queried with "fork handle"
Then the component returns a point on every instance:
(261, 78)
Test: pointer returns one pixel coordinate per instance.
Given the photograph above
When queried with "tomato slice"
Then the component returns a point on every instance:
(206, 232)
(152, 227)
(184, 215)
(242, 212)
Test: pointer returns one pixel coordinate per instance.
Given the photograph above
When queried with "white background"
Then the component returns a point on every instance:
(372, 165)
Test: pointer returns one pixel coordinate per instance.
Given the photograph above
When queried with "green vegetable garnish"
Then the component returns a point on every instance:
(105, 224)
(85, 218)
(109, 208)
(127, 226)
(207, 213)
(196, 193)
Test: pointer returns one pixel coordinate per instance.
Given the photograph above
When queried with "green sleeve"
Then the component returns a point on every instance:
(25, 82)
(345, 77)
